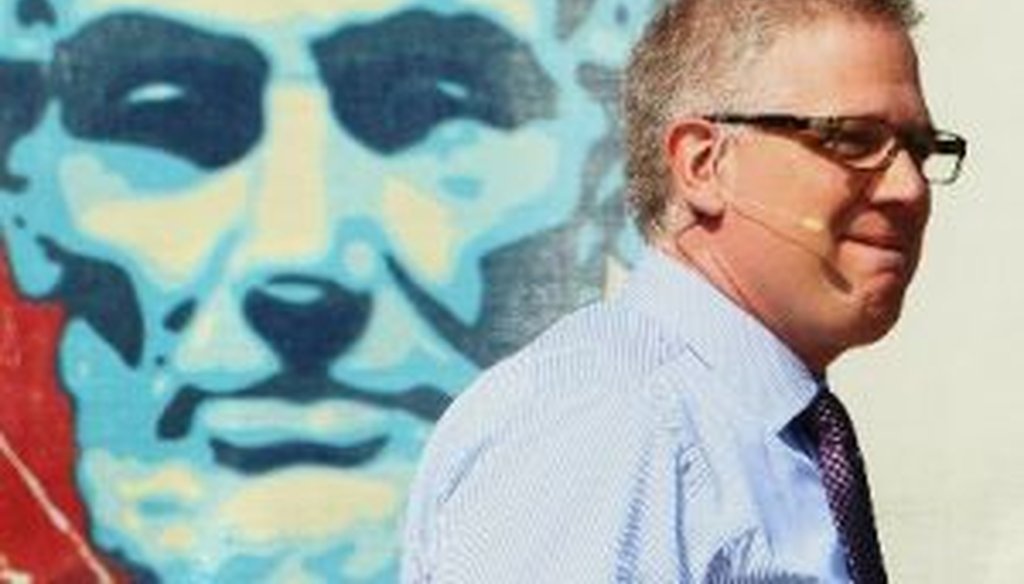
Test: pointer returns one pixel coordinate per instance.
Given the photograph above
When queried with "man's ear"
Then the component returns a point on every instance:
(693, 147)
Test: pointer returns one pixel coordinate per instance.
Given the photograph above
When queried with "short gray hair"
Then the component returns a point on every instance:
(694, 58)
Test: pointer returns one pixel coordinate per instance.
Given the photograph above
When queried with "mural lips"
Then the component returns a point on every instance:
(178, 420)
(260, 459)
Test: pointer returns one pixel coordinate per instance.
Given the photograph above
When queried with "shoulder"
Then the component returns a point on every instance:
(599, 355)
(580, 414)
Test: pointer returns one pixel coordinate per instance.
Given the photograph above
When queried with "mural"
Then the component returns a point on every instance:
(268, 242)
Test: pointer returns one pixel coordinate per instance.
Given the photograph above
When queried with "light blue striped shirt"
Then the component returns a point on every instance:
(642, 439)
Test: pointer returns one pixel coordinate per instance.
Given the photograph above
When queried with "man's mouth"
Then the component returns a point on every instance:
(269, 457)
(293, 420)
(882, 241)
(889, 253)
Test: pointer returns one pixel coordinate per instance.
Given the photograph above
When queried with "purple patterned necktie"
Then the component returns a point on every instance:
(842, 468)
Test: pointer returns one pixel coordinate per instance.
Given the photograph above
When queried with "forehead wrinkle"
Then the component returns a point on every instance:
(295, 24)
(521, 15)
(251, 13)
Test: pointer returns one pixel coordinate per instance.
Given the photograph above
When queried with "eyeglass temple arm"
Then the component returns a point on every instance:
(780, 121)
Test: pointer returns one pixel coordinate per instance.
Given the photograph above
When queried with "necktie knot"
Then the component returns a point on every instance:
(826, 421)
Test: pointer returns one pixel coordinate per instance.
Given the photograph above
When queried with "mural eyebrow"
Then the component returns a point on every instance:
(394, 80)
(155, 82)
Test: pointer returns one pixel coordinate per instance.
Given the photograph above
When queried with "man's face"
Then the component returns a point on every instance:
(821, 253)
(285, 233)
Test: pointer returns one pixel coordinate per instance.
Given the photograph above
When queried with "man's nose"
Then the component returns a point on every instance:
(306, 321)
(290, 217)
(299, 307)
(902, 182)
(287, 300)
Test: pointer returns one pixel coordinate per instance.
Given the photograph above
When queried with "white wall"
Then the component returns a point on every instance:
(939, 404)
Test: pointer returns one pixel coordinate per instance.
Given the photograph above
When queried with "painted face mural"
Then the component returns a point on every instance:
(286, 234)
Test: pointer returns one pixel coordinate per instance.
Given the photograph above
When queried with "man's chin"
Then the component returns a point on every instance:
(286, 565)
(881, 310)
(871, 326)
(181, 522)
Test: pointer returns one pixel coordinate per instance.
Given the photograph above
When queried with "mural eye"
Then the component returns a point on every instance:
(155, 93)
(143, 80)
(393, 81)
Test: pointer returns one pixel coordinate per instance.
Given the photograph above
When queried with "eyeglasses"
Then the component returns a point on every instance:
(866, 143)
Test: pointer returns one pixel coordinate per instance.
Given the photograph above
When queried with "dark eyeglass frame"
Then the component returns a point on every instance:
(921, 144)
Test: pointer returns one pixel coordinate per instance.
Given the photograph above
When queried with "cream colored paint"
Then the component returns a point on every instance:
(179, 539)
(289, 212)
(131, 522)
(132, 485)
(320, 504)
(177, 482)
(347, 420)
(293, 571)
(938, 404)
(423, 227)
(615, 275)
(220, 340)
(171, 235)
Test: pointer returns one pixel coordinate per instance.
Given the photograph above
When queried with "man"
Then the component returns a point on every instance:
(285, 233)
(780, 155)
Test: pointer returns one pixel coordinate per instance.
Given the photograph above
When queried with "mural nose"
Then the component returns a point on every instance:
(306, 321)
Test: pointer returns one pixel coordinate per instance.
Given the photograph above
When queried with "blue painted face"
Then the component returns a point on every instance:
(286, 234)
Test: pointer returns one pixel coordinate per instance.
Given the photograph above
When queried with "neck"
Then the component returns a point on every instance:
(693, 249)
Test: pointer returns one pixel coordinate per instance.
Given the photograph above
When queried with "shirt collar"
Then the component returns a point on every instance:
(762, 377)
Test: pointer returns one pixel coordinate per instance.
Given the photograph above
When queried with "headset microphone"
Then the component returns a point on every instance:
(804, 231)
(808, 233)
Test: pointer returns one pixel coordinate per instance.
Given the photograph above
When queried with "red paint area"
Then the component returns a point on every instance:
(36, 418)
